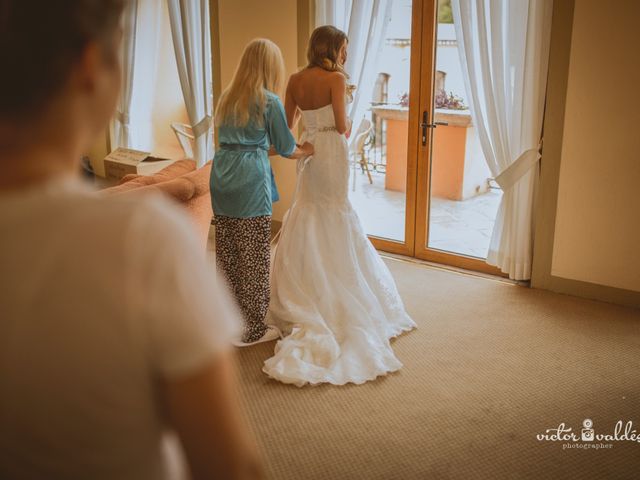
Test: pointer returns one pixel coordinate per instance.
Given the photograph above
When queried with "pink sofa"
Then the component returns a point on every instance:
(181, 181)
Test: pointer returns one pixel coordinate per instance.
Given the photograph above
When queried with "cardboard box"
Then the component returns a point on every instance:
(123, 161)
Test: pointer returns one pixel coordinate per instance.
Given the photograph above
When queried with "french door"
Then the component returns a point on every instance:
(419, 183)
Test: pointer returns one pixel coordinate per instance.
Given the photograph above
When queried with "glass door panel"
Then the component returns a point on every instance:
(418, 180)
(456, 204)
(380, 153)
(463, 201)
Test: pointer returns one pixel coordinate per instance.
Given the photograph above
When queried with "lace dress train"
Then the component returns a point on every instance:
(332, 294)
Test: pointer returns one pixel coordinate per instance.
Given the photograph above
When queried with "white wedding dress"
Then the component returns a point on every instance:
(331, 293)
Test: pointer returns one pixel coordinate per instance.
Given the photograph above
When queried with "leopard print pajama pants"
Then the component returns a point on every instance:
(243, 256)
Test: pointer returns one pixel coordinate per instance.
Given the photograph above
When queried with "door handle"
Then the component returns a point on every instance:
(425, 124)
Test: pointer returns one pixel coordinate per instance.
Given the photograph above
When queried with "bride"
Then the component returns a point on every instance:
(332, 295)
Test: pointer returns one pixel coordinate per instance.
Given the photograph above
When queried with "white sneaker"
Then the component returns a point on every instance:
(272, 333)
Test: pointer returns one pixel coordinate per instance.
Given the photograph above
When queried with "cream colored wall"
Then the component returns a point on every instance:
(239, 22)
(97, 153)
(597, 228)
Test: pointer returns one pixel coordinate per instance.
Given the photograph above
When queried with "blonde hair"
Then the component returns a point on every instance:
(324, 47)
(261, 68)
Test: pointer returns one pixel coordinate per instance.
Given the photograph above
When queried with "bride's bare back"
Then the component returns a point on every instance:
(314, 88)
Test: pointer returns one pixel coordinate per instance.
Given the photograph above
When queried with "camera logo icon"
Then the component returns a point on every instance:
(588, 434)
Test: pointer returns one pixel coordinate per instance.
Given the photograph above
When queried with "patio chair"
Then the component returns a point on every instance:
(357, 150)
(184, 134)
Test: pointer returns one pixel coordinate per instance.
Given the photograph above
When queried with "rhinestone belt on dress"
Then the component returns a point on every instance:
(327, 129)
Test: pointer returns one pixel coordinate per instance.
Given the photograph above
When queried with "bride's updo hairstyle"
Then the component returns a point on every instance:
(324, 46)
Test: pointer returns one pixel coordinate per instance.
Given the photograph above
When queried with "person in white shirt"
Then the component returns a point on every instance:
(114, 330)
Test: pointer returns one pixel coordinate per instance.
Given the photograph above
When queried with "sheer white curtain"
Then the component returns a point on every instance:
(131, 126)
(121, 131)
(146, 68)
(192, 45)
(367, 27)
(365, 23)
(504, 50)
(333, 12)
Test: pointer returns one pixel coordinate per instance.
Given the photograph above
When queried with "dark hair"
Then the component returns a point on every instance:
(324, 45)
(40, 41)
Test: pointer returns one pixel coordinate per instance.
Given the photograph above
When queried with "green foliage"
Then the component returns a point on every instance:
(445, 15)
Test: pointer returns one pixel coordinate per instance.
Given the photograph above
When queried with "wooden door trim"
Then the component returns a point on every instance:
(460, 260)
(391, 246)
(415, 81)
(424, 157)
(423, 186)
(407, 247)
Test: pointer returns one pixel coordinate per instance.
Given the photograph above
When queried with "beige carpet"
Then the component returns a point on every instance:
(490, 366)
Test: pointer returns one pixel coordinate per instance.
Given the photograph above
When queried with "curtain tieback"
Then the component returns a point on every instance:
(123, 118)
(508, 177)
(202, 126)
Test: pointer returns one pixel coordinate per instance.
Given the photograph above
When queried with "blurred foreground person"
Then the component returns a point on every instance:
(110, 327)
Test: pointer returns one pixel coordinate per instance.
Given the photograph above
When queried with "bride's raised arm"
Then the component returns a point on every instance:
(338, 85)
(291, 107)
